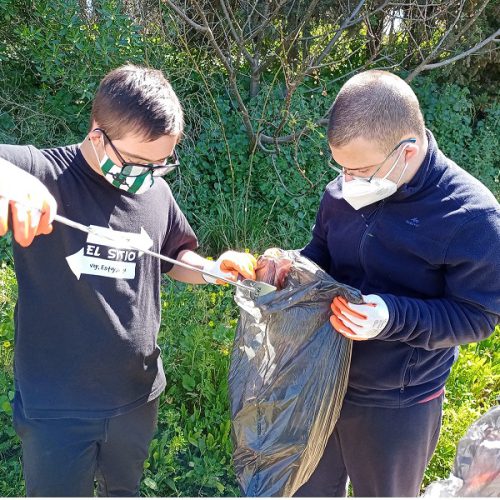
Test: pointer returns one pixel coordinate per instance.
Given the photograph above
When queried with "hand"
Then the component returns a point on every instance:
(229, 265)
(359, 322)
(32, 206)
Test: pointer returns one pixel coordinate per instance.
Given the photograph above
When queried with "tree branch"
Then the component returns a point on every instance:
(236, 37)
(185, 17)
(337, 35)
(469, 23)
(453, 59)
(435, 50)
(266, 23)
(323, 121)
(205, 28)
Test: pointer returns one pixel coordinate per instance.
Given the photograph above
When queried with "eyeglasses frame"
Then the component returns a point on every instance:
(154, 169)
(344, 171)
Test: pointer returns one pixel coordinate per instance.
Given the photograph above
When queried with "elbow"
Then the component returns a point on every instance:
(480, 328)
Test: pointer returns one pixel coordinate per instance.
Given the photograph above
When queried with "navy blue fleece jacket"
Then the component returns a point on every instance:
(432, 252)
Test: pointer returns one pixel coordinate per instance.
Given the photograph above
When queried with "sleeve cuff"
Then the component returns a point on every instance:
(386, 333)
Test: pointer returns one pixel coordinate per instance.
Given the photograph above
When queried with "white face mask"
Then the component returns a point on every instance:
(360, 192)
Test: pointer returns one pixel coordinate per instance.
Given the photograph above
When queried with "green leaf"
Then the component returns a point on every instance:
(6, 407)
(188, 382)
(150, 483)
(171, 484)
(193, 441)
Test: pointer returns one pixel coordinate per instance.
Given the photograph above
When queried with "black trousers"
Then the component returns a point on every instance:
(62, 457)
(384, 452)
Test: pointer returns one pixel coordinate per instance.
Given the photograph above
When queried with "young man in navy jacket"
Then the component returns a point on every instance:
(420, 237)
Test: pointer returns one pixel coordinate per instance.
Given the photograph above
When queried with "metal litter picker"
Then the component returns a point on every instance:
(254, 288)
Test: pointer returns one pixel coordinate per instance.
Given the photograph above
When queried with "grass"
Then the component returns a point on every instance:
(191, 452)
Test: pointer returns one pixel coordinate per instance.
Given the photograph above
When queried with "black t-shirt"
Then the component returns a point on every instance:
(88, 314)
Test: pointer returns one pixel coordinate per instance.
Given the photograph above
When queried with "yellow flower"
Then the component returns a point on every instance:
(6, 344)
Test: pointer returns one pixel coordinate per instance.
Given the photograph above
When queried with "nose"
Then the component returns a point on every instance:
(348, 177)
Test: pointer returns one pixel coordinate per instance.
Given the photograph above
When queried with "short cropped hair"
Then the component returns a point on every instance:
(377, 106)
(138, 100)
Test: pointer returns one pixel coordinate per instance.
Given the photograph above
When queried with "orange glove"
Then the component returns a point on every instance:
(359, 321)
(32, 206)
(229, 265)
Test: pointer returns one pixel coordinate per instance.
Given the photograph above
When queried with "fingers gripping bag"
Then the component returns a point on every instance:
(288, 375)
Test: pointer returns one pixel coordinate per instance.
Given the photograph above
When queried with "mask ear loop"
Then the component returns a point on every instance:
(93, 147)
(404, 168)
(394, 166)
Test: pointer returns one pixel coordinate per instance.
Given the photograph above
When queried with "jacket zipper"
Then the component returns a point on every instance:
(367, 233)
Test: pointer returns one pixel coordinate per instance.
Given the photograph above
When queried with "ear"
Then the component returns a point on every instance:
(95, 135)
(411, 151)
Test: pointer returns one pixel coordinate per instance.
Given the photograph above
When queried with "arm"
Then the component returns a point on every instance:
(470, 308)
(185, 275)
(317, 248)
(437, 323)
(229, 265)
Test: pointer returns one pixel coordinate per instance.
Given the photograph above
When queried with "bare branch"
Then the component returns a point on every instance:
(289, 40)
(236, 37)
(450, 29)
(227, 63)
(185, 17)
(266, 23)
(445, 62)
(338, 33)
(266, 139)
(469, 23)
(360, 18)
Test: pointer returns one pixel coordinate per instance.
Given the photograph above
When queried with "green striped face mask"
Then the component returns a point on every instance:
(135, 184)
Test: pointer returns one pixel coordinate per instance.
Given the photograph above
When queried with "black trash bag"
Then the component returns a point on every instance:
(287, 380)
(476, 470)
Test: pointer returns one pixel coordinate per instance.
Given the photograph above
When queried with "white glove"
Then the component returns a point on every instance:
(229, 265)
(359, 322)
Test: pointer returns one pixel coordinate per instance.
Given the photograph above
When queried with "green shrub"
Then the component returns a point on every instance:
(53, 58)
(11, 480)
(468, 137)
(473, 388)
(191, 454)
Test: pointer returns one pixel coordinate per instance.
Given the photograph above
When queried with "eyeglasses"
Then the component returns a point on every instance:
(345, 171)
(135, 169)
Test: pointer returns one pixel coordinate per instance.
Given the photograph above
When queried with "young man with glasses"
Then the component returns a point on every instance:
(420, 238)
(88, 371)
